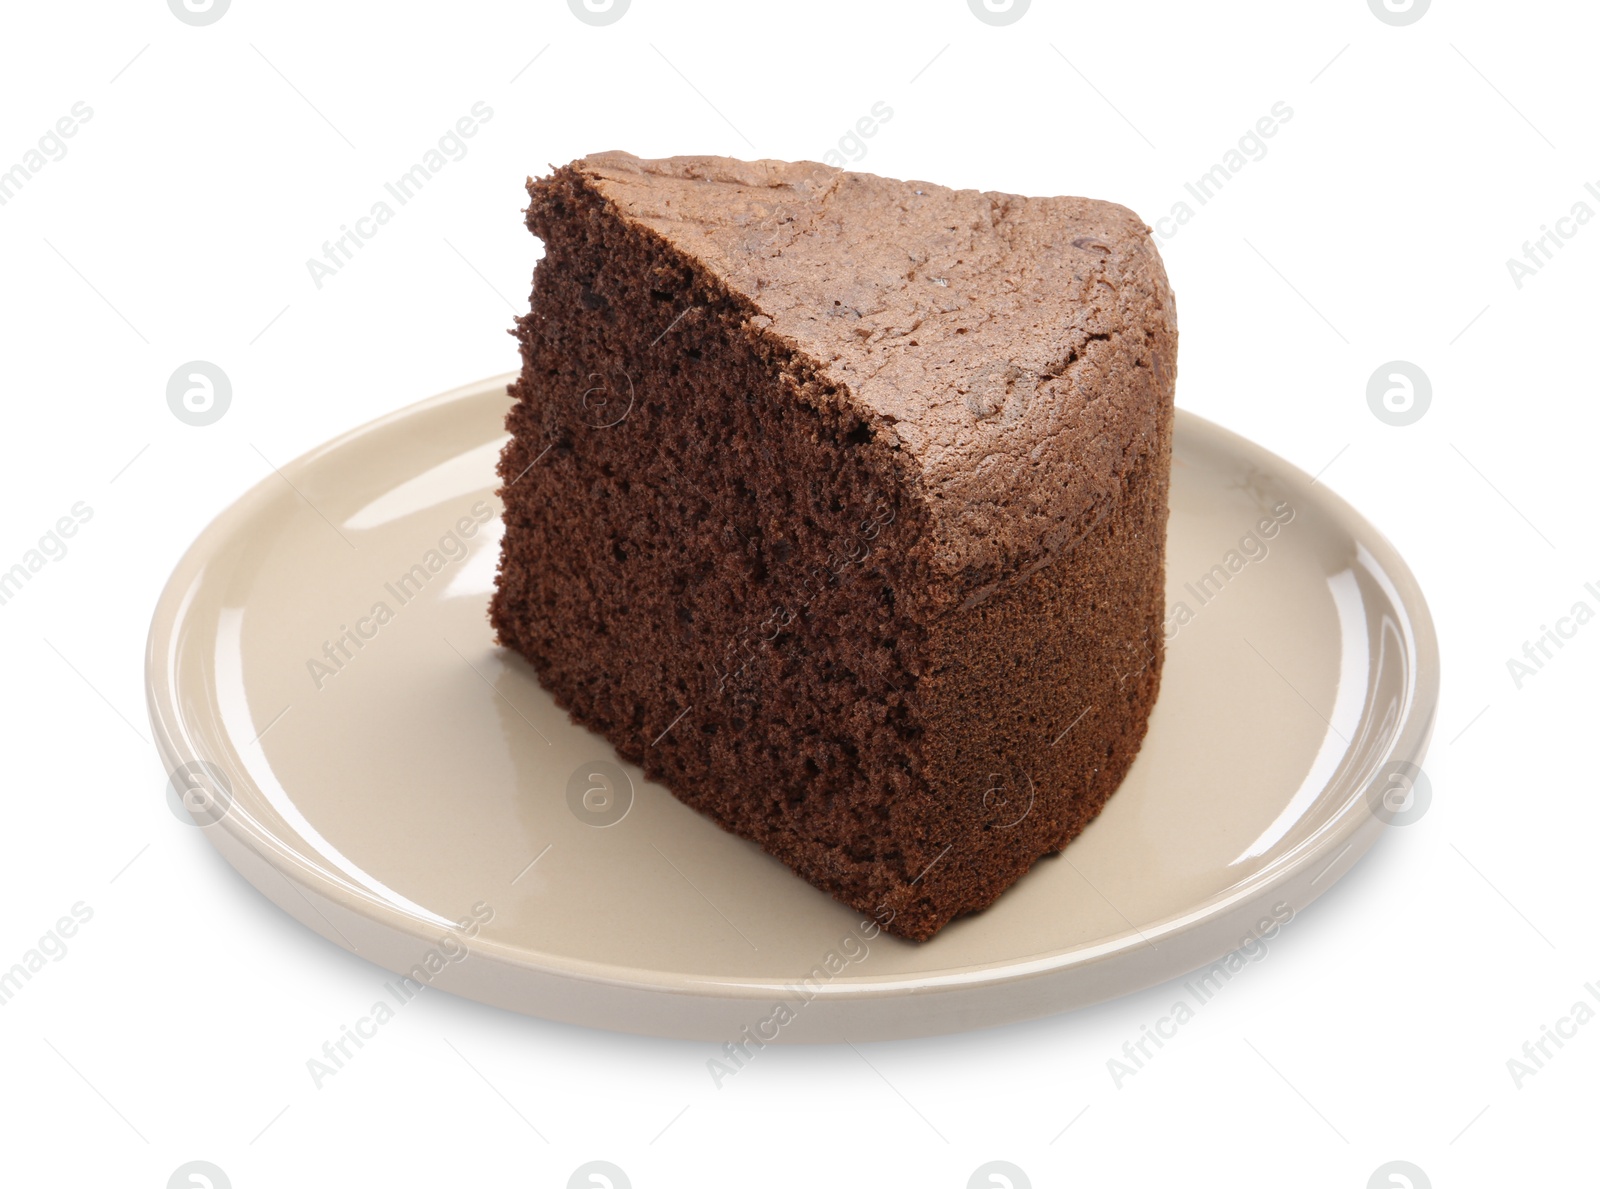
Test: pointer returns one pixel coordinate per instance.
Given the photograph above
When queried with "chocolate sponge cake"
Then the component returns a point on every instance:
(839, 503)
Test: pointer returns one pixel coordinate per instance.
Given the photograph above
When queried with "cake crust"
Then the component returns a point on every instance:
(986, 336)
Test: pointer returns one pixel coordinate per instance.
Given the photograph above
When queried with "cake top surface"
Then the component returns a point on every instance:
(1019, 351)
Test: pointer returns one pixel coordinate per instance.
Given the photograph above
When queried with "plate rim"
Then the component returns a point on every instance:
(1350, 828)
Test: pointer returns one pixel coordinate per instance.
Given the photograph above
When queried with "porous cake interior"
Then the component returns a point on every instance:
(718, 525)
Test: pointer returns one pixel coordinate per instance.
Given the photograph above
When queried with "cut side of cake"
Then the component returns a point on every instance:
(838, 504)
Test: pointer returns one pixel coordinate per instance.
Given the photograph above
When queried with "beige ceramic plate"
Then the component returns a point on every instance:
(325, 690)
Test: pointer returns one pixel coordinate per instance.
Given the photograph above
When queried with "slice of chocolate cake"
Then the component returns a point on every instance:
(838, 504)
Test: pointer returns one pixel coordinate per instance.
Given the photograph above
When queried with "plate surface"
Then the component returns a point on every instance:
(324, 686)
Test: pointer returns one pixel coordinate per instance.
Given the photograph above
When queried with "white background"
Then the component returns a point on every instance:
(177, 227)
